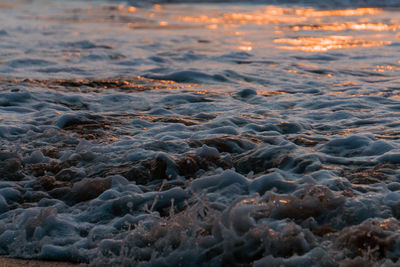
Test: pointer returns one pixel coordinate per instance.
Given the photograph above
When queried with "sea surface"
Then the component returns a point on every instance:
(149, 133)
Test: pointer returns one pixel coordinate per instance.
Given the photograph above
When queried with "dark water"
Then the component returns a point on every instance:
(200, 134)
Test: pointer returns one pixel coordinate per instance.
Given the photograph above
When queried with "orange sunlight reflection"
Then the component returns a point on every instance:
(245, 48)
(301, 19)
(379, 27)
(386, 68)
(310, 12)
(283, 26)
(272, 14)
(323, 44)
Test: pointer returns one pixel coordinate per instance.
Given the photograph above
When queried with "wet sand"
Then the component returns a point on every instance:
(9, 262)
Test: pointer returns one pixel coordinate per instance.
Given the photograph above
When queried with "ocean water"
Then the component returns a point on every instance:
(200, 134)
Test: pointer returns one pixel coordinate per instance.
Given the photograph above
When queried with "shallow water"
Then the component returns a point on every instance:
(200, 134)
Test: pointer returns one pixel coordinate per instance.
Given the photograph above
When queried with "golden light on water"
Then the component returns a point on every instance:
(245, 48)
(300, 29)
(271, 93)
(310, 12)
(157, 7)
(386, 68)
(132, 9)
(273, 14)
(302, 19)
(212, 26)
(355, 26)
(269, 15)
(326, 43)
(372, 27)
